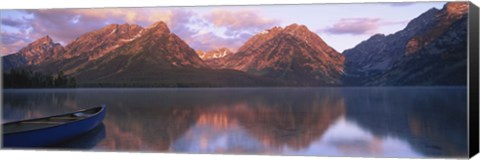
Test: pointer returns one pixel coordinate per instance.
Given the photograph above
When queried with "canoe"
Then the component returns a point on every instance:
(47, 131)
(85, 141)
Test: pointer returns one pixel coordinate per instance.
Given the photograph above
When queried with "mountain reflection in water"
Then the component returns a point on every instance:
(379, 122)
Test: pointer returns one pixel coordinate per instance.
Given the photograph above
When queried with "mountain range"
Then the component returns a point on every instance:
(430, 50)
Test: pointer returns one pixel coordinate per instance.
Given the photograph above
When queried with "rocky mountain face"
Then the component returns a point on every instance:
(37, 52)
(97, 43)
(431, 50)
(129, 55)
(292, 54)
(214, 54)
(91, 46)
(154, 49)
(380, 52)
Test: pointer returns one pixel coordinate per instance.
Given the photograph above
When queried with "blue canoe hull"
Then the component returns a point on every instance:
(53, 135)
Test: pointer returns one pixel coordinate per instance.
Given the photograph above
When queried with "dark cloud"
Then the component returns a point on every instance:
(11, 38)
(20, 24)
(12, 41)
(8, 21)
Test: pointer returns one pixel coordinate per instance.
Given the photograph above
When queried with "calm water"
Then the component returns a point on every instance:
(379, 122)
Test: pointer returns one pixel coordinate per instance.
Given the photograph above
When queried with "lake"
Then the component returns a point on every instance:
(348, 121)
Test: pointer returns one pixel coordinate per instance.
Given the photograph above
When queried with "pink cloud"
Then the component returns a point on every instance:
(355, 26)
(210, 41)
(358, 26)
(237, 21)
(12, 41)
(10, 38)
(237, 26)
(11, 48)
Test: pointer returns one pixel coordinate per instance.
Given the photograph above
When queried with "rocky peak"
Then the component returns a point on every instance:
(110, 27)
(451, 12)
(158, 27)
(296, 29)
(378, 36)
(43, 43)
(423, 20)
(293, 54)
(301, 32)
(121, 28)
(256, 40)
(456, 8)
(40, 50)
(276, 28)
(46, 40)
(294, 26)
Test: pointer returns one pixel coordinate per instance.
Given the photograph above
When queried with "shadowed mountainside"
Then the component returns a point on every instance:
(431, 50)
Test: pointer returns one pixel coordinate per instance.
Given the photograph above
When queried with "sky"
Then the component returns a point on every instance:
(342, 26)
